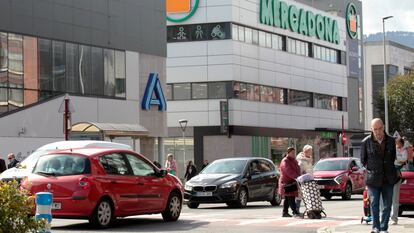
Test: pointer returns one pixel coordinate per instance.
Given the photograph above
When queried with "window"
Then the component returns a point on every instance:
(266, 94)
(15, 98)
(217, 90)
(241, 33)
(243, 91)
(3, 59)
(140, 167)
(72, 68)
(120, 84)
(45, 55)
(115, 164)
(255, 37)
(97, 71)
(182, 91)
(268, 40)
(169, 94)
(277, 42)
(199, 91)
(109, 72)
(235, 32)
(278, 95)
(62, 165)
(300, 98)
(248, 35)
(31, 69)
(58, 66)
(262, 38)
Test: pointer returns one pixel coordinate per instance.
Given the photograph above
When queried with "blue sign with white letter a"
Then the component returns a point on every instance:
(154, 87)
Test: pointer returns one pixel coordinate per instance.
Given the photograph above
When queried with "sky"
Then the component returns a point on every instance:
(375, 10)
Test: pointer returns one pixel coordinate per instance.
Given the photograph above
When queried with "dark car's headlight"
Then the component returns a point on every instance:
(188, 186)
(229, 185)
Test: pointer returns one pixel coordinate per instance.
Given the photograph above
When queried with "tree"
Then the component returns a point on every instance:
(16, 206)
(400, 91)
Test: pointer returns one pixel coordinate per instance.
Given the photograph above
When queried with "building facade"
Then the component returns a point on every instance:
(399, 60)
(100, 53)
(253, 77)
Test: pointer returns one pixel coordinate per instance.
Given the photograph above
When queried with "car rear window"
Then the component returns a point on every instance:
(62, 165)
(331, 165)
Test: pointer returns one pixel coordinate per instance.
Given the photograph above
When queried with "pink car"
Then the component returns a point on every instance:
(407, 189)
(340, 177)
(101, 184)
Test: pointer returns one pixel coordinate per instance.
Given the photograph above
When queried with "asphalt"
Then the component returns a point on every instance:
(405, 225)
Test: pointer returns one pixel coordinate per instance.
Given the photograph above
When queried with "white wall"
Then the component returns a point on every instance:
(397, 55)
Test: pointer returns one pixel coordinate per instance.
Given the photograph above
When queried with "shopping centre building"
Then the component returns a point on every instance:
(251, 77)
(100, 53)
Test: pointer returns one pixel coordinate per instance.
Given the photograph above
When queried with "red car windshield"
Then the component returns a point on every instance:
(62, 165)
(331, 165)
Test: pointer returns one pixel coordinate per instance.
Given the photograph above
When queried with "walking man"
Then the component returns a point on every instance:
(12, 160)
(378, 155)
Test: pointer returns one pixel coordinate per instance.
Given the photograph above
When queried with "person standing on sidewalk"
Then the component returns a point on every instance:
(289, 171)
(378, 154)
(12, 160)
(400, 161)
(2, 165)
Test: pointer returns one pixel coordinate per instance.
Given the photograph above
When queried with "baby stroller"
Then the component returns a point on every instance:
(311, 197)
(367, 207)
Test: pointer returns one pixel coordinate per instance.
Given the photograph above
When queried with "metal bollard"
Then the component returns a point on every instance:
(44, 202)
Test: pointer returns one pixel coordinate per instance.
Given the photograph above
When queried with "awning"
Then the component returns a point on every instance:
(110, 129)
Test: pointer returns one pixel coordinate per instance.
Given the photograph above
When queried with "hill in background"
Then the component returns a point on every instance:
(404, 38)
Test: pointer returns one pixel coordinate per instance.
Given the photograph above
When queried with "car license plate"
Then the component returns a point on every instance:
(204, 194)
(321, 186)
(56, 206)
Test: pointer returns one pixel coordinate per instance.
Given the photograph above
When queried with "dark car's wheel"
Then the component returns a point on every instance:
(327, 196)
(193, 205)
(277, 198)
(348, 192)
(103, 215)
(242, 198)
(173, 209)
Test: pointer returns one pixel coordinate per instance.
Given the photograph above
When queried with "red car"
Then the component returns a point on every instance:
(101, 184)
(340, 177)
(407, 189)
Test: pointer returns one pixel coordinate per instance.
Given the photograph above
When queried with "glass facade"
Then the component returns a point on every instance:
(254, 92)
(33, 69)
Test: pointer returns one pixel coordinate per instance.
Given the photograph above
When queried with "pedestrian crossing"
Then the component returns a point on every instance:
(266, 221)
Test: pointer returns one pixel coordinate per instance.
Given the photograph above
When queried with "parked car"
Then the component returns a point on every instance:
(407, 189)
(26, 166)
(340, 177)
(101, 184)
(234, 181)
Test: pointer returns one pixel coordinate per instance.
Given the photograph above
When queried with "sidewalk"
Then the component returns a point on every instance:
(405, 225)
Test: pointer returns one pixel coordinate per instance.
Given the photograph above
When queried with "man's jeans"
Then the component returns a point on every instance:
(375, 193)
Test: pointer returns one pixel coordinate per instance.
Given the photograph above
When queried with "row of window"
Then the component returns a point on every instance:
(271, 40)
(49, 67)
(254, 92)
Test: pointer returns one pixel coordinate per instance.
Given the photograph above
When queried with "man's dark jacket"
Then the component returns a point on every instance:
(13, 163)
(380, 169)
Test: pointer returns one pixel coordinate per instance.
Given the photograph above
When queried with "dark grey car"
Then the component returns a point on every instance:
(234, 181)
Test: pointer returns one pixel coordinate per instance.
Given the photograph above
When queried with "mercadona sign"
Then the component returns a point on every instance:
(279, 14)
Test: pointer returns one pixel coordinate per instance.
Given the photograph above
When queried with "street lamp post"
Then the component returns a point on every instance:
(385, 77)
(183, 125)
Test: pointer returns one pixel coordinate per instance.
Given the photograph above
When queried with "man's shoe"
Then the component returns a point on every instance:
(383, 231)
(394, 222)
(286, 215)
(374, 230)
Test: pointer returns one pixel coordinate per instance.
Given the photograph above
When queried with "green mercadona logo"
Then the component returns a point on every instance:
(181, 10)
(352, 20)
(279, 14)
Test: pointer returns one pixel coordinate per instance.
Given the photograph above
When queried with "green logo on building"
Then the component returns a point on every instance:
(352, 20)
(279, 14)
(183, 8)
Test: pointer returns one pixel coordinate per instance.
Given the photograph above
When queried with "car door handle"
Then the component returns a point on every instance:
(113, 182)
(140, 183)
